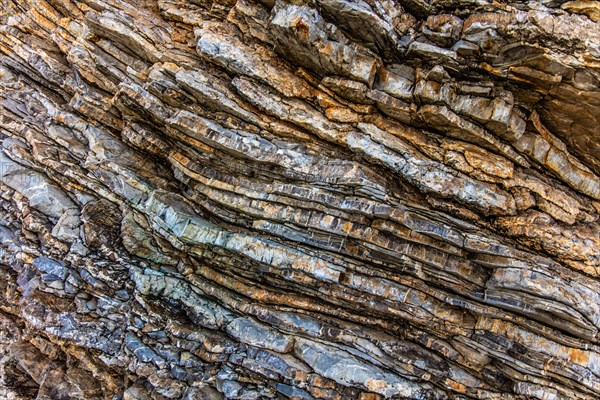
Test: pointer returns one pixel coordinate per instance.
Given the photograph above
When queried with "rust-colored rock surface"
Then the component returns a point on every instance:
(299, 199)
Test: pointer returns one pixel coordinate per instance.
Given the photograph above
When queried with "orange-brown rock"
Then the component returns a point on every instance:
(276, 199)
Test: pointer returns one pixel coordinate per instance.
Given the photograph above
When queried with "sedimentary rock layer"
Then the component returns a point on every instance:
(307, 199)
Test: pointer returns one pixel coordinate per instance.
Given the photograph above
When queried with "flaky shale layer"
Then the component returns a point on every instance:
(299, 199)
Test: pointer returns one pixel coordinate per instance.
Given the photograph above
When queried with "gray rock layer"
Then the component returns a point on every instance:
(308, 199)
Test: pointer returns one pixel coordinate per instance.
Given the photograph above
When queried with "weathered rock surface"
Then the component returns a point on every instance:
(312, 199)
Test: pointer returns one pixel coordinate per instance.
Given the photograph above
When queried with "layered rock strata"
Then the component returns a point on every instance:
(308, 199)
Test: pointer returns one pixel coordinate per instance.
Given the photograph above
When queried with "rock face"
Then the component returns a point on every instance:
(299, 199)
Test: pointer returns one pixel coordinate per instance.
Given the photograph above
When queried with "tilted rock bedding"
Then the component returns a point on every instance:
(299, 199)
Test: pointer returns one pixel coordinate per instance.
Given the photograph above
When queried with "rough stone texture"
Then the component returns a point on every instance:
(308, 199)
